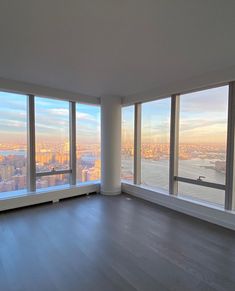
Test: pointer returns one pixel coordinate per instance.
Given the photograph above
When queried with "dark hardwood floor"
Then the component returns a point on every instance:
(112, 243)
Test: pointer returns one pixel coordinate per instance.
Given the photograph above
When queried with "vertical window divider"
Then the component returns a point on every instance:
(72, 141)
(137, 144)
(174, 144)
(230, 158)
(31, 161)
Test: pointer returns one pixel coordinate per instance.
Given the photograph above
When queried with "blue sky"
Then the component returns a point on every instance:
(88, 124)
(156, 121)
(12, 118)
(52, 120)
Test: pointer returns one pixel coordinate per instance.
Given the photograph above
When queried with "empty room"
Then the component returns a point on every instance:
(117, 145)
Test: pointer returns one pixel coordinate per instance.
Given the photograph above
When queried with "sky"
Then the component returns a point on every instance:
(13, 118)
(203, 118)
(51, 120)
(88, 124)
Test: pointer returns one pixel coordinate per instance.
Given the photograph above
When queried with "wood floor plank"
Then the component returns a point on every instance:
(112, 243)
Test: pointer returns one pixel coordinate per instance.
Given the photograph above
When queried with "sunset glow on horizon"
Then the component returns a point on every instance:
(203, 118)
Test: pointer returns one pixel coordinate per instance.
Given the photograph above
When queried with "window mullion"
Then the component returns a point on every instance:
(230, 164)
(174, 144)
(31, 162)
(72, 141)
(137, 144)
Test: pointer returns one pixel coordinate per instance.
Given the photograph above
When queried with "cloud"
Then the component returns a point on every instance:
(58, 111)
(11, 101)
(63, 112)
(206, 101)
(189, 125)
(44, 126)
(40, 101)
(85, 117)
(203, 130)
(12, 123)
(9, 114)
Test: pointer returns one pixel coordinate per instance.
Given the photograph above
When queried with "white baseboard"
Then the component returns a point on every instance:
(111, 193)
(50, 196)
(208, 213)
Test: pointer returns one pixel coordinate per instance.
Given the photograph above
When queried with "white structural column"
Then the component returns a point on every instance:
(110, 145)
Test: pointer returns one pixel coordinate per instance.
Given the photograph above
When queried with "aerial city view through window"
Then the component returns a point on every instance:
(52, 141)
(202, 142)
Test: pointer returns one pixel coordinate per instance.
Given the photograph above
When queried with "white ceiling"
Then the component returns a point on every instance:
(116, 47)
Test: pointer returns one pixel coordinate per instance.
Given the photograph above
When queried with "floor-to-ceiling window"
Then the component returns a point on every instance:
(127, 147)
(40, 131)
(202, 142)
(155, 137)
(13, 142)
(51, 141)
(88, 142)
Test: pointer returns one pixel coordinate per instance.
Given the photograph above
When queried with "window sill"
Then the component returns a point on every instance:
(23, 198)
(183, 197)
(22, 193)
(205, 211)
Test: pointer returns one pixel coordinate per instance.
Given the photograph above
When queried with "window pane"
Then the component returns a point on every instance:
(13, 141)
(52, 181)
(155, 138)
(127, 168)
(200, 193)
(52, 134)
(202, 138)
(88, 142)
